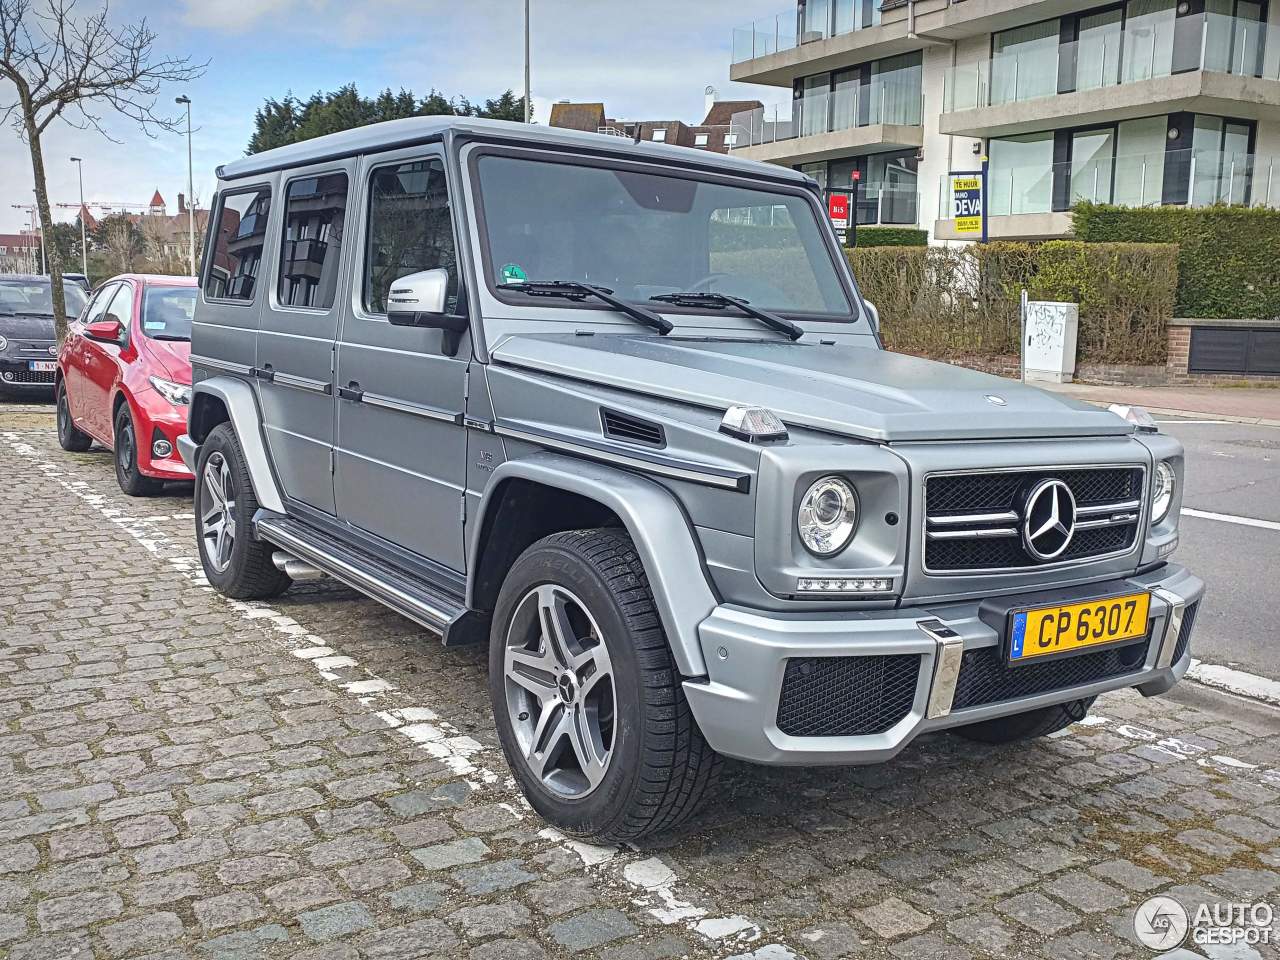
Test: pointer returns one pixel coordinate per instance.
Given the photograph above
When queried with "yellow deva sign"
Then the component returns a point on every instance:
(966, 194)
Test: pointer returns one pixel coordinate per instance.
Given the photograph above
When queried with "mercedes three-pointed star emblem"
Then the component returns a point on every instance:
(1048, 519)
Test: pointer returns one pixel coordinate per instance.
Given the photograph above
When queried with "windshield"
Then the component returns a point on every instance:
(35, 296)
(642, 235)
(167, 312)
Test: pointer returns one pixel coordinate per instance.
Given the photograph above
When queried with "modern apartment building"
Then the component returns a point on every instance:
(1138, 102)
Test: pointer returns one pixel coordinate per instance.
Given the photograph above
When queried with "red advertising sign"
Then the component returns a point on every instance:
(838, 209)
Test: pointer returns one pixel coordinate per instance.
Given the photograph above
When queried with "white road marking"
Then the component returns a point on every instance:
(1230, 518)
(1236, 422)
(1236, 681)
(435, 736)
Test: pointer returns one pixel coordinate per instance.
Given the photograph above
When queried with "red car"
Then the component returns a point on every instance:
(124, 378)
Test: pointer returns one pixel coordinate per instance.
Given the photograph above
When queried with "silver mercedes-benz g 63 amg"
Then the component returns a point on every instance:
(619, 411)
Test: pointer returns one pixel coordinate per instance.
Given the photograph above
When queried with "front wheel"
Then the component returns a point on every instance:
(1029, 725)
(236, 564)
(125, 451)
(587, 698)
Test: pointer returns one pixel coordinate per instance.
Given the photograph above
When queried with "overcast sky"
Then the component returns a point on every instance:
(643, 58)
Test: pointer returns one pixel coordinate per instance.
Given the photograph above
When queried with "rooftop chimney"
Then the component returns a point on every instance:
(182, 203)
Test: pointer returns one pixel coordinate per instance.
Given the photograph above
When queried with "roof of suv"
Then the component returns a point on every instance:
(390, 134)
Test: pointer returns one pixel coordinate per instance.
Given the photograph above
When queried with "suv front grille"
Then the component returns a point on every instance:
(846, 696)
(973, 520)
(26, 376)
(985, 679)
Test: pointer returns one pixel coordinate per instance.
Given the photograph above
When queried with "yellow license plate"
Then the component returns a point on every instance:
(1045, 631)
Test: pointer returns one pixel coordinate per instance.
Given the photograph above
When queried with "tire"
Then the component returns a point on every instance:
(237, 566)
(658, 769)
(1029, 725)
(124, 449)
(70, 437)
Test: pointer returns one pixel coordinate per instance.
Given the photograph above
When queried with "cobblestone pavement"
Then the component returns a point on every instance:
(184, 776)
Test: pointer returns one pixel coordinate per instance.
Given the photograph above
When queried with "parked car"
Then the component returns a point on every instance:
(124, 378)
(619, 411)
(79, 279)
(28, 344)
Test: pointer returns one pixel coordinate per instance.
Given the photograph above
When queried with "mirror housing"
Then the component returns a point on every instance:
(104, 331)
(419, 300)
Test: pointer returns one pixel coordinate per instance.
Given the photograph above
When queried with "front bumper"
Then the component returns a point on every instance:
(159, 420)
(16, 375)
(747, 655)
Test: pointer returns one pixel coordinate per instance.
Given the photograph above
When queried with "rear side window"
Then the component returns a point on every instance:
(314, 212)
(239, 233)
(410, 229)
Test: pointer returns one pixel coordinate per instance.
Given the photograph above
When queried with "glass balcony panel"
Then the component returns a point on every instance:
(895, 97)
(1139, 179)
(764, 37)
(817, 21)
(1148, 40)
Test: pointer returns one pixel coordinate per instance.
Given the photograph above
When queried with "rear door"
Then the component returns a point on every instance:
(78, 354)
(296, 336)
(401, 447)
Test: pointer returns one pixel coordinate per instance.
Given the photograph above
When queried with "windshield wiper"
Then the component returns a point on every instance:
(718, 301)
(574, 290)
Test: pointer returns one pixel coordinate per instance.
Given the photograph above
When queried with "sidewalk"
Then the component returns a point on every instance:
(1257, 405)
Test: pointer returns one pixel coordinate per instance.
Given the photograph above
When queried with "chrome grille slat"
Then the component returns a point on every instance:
(972, 522)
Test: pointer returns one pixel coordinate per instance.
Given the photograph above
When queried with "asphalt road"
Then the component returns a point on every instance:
(1233, 469)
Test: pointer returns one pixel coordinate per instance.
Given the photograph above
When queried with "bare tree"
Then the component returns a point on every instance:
(120, 243)
(77, 69)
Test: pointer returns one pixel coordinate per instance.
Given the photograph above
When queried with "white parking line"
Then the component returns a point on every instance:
(1236, 422)
(1231, 518)
(1236, 681)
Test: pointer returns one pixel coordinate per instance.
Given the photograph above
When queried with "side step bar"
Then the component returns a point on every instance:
(443, 614)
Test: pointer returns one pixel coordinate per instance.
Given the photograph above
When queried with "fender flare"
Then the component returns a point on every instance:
(657, 526)
(238, 400)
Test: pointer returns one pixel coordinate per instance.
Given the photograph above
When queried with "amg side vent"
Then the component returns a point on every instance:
(629, 429)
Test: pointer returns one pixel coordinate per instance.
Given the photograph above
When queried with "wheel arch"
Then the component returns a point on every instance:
(219, 400)
(530, 498)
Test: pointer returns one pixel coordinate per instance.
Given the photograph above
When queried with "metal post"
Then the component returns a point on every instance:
(1095, 184)
(986, 200)
(1022, 336)
(1142, 189)
(1231, 183)
(1191, 185)
(528, 106)
(1243, 45)
(84, 249)
(1271, 168)
(191, 210)
(1017, 76)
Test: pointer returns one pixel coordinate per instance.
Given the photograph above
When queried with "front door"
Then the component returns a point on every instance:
(401, 448)
(296, 336)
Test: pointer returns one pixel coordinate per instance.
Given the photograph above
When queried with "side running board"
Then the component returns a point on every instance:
(444, 614)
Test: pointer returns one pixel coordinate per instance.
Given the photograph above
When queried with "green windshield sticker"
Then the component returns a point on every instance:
(514, 273)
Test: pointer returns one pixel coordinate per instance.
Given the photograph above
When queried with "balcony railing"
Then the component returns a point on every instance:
(878, 204)
(785, 31)
(893, 98)
(1197, 177)
(1146, 49)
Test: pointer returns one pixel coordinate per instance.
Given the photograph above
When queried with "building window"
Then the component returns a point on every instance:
(239, 235)
(314, 208)
(1024, 63)
(1021, 174)
(700, 140)
(730, 139)
(659, 136)
(410, 230)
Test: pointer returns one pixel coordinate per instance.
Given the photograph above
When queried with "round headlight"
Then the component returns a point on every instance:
(828, 516)
(1162, 492)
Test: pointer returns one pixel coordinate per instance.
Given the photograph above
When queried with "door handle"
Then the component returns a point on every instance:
(351, 392)
(265, 372)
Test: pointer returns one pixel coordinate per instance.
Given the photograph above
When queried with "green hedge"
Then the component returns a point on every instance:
(950, 302)
(891, 237)
(1228, 257)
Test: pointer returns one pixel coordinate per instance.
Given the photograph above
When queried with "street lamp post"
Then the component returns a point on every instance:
(84, 249)
(191, 210)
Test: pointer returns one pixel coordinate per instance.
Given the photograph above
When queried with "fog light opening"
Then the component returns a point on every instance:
(161, 448)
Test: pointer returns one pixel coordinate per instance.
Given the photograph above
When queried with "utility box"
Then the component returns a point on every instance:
(1049, 341)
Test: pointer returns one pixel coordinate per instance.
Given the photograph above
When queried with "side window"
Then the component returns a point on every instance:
(121, 308)
(410, 229)
(239, 232)
(101, 299)
(314, 212)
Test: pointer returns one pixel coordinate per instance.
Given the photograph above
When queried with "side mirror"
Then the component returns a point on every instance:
(104, 331)
(419, 300)
(873, 316)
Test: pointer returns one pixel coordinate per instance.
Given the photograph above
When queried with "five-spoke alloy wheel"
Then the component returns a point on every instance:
(559, 686)
(218, 520)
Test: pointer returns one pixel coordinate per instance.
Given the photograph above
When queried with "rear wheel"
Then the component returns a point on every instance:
(235, 563)
(125, 449)
(587, 698)
(1029, 725)
(69, 437)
